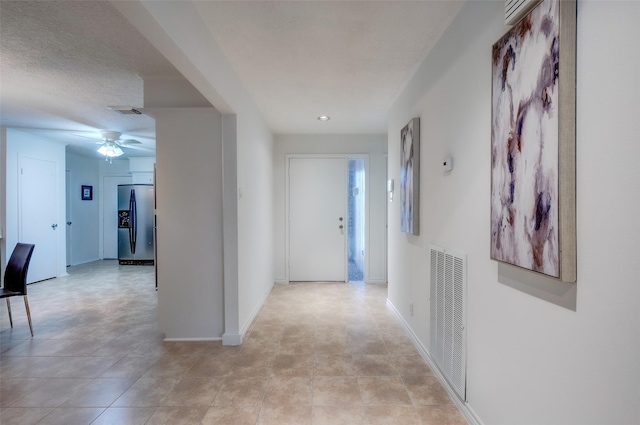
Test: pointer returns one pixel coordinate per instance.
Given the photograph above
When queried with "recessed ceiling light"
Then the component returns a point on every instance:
(323, 118)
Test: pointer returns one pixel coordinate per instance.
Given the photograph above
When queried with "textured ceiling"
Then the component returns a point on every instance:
(63, 62)
(348, 60)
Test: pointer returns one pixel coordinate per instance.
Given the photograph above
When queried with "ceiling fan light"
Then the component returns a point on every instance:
(110, 150)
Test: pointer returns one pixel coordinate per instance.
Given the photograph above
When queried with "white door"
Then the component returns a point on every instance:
(37, 206)
(68, 213)
(317, 219)
(110, 214)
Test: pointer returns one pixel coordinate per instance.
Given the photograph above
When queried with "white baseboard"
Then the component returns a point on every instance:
(191, 339)
(252, 316)
(231, 339)
(464, 408)
(379, 281)
(281, 281)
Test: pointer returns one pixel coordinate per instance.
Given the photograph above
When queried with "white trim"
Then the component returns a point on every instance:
(231, 339)
(376, 281)
(190, 339)
(464, 408)
(255, 313)
(282, 281)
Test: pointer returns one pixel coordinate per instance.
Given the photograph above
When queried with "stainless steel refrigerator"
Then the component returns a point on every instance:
(135, 224)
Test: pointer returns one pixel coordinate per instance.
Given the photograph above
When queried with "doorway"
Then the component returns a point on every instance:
(37, 224)
(327, 214)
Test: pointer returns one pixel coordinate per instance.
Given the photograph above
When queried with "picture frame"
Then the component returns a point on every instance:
(87, 193)
(533, 176)
(410, 177)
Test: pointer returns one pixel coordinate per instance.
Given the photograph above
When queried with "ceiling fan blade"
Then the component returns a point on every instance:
(129, 142)
(139, 148)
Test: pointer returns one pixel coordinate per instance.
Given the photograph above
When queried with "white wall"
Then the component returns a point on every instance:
(189, 223)
(85, 234)
(23, 144)
(530, 360)
(375, 146)
(178, 32)
(3, 197)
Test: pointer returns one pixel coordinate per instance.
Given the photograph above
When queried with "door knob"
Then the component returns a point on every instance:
(68, 223)
(53, 226)
(340, 227)
(340, 219)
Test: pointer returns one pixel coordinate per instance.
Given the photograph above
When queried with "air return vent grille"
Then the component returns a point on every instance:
(514, 10)
(448, 315)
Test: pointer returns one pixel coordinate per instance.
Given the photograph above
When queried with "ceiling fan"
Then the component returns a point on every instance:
(112, 145)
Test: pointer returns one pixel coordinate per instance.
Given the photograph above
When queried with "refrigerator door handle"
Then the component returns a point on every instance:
(132, 223)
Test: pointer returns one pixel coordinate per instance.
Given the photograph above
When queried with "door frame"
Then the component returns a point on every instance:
(346, 157)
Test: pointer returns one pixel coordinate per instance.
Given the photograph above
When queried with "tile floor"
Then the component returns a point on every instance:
(318, 353)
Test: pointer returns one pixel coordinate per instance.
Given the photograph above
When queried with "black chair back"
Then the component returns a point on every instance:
(15, 275)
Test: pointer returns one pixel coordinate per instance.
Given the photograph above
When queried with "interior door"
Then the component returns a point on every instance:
(317, 219)
(67, 227)
(110, 214)
(37, 204)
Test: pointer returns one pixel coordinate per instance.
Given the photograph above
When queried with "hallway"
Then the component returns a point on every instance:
(318, 353)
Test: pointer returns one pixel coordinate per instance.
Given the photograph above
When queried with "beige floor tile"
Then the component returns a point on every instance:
(194, 392)
(383, 390)
(334, 365)
(331, 343)
(177, 416)
(399, 345)
(285, 415)
(210, 367)
(440, 415)
(317, 351)
(129, 367)
(334, 391)
(169, 366)
(411, 365)
(116, 347)
(227, 415)
(50, 392)
(338, 415)
(267, 332)
(288, 390)
(373, 345)
(391, 415)
(99, 393)
(197, 348)
(23, 415)
(146, 392)
(125, 415)
(426, 390)
(296, 346)
(373, 365)
(72, 416)
(71, 367)
(250, 365)
(292, 365)
(241, 392)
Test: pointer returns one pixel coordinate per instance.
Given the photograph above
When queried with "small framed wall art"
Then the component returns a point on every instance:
(87, 193)
(533, 178)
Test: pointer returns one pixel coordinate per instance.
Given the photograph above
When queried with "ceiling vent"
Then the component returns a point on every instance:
(125, 110)
(514, 10)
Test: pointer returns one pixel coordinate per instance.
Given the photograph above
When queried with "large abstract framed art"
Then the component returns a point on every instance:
(410, 177)
(533, 142)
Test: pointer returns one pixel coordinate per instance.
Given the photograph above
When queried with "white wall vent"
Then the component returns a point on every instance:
(449, 315)
(514, 10)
